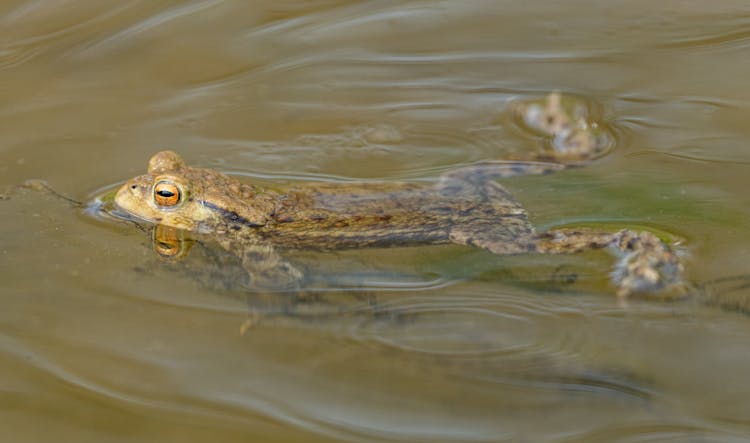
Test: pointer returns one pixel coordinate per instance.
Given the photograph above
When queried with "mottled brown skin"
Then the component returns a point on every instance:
(465, 207)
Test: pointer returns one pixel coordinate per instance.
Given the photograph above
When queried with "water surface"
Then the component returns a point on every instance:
(101, 341)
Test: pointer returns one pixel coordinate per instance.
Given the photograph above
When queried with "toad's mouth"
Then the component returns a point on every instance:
(122, 214)
(104, 208)
(103, 205)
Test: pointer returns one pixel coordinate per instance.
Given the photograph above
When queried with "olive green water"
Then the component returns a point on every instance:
(100, 341)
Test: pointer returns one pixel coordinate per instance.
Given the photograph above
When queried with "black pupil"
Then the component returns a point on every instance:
(165, 194)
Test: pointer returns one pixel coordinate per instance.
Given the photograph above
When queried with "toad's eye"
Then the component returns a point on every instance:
(167, 194)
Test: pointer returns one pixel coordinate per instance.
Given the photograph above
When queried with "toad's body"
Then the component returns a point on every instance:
(465, 207)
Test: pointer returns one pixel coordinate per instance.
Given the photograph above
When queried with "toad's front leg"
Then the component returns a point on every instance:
(647, 264)
(266, 269)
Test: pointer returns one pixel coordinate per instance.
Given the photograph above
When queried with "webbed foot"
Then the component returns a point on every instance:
(266, 268)
(566, 122)
(647, 265)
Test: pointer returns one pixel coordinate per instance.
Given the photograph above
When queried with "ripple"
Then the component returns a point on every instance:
(515, 340)
(734, 38)
(11, 57)
(652, 431)
(27, 48)
(472, 324)
(131, 380)
(731, 293)
(437, 328)
(127, 35)
(699, 154)
(431, 147)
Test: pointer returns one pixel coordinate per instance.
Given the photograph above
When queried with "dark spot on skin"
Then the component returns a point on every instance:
(230, 215)
(133, 186)
(453, 189)
(254, 256)
(157, 219)
(443, 209)
(236, 227)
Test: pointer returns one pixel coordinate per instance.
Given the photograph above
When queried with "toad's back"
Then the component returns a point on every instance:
(339, 215)
(463, 205)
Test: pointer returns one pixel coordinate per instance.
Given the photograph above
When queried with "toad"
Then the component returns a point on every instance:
(466, 206)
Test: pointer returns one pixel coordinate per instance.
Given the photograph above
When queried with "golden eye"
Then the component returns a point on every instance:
(167, 194)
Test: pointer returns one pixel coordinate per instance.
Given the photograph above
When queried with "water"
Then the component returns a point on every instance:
(100, 340)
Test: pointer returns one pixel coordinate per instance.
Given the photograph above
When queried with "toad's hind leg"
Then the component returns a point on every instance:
(504, 234)
(647, 264)
(479, 177)
(491, 218)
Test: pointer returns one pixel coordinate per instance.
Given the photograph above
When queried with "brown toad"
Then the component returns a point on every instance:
(465, 207)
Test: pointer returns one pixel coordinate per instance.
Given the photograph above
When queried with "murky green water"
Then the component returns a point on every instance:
(100, 341)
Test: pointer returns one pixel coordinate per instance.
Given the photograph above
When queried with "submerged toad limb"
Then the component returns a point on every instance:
(466, 206)
(497, 222)
(266, 268)
(647, 264)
